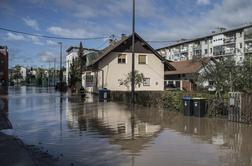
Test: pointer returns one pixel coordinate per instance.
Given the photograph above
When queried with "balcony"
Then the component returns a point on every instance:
(197, 47)
(184, 49)
(248, 37)
(248, 50)
(229, 40)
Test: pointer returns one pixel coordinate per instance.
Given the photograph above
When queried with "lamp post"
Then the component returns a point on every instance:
(60, 74)
(133, 57)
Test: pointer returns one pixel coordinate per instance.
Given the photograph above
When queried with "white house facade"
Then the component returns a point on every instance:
(115, 63)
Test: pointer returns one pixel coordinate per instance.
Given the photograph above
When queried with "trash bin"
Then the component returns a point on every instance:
(188, 105)
(199, 107)
(104, 94)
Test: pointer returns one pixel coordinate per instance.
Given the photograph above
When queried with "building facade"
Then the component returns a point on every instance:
(115, 63)
(72, 53)
(4, 64)
(235, 42)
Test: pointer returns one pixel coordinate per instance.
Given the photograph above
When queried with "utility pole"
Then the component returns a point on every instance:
(133, 57)
(54, 68)
(61, 73)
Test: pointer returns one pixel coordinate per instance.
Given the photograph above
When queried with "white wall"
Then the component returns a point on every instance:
(154, 69)
(218, 40)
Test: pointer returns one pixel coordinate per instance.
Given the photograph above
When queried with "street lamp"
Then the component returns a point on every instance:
(60, 74)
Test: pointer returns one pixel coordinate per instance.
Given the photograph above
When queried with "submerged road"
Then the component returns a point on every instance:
(93, 133)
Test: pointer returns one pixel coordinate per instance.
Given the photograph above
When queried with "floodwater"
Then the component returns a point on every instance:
(93, 133)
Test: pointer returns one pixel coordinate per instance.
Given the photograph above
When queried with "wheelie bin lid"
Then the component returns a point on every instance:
(187, 97)
(198, 98)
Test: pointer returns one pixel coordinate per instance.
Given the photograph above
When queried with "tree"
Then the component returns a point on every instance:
(81, 57)
(77, 67)
(139, 79)
(74, 73)
(223, 73)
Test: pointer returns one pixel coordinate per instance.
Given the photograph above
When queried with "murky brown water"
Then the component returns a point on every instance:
(94, 133)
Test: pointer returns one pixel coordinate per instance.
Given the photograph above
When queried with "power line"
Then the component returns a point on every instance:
(162, 41)
(52, 37)
(102, 45)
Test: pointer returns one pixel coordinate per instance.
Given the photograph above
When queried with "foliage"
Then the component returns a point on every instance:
(74, 73)
(76, 67)
(82, 58)
(228, 76)
(139, 78)
(17, 73)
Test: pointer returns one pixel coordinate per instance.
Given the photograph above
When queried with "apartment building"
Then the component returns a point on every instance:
(236, 42)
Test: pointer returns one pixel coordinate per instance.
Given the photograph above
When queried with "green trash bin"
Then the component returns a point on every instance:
(199, 107)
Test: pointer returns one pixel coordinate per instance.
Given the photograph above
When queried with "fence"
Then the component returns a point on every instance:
(240, 107)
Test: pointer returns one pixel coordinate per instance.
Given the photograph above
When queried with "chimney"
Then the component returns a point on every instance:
(123, 36)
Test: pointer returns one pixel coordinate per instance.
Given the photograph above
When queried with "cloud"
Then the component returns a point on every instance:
(64, 32)
(51, 43)
(15, 37)
(46, 56)
(36, 40)
(31, 23)
(228, 14)
(203, 2)
(108, 9)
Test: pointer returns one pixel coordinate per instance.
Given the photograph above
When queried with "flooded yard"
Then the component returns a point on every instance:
(93, 133)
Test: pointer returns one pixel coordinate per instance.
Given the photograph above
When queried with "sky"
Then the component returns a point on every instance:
(156, 20)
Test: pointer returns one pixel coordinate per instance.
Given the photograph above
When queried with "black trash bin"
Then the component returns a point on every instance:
(199, 107)
(188, 105)
(104, 94)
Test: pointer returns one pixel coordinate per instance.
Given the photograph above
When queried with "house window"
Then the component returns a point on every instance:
(177, 84)
(142, 59)
(146, 82)
(122, 59)
(211, 83)
(206, 51)
(211, 50)
(89, 80)
(240, 45)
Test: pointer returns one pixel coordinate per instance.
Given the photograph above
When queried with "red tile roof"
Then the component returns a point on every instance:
(188, 66)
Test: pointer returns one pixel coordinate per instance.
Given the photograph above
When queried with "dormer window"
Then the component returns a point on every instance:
(122, 59)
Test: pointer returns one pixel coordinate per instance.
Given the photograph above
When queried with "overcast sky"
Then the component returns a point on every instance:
(156, 20)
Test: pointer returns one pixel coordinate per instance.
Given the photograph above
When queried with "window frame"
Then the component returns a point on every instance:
(119, 58)
(145, 59)
(144, 83)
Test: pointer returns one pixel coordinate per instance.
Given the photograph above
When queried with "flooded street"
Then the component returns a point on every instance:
(93, 133)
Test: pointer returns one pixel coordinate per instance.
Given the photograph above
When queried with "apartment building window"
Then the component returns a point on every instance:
(240, 34)
(122, 59)
(240, 45)
(142, 59)
(206, 51)
(146, 82)
(211, 50)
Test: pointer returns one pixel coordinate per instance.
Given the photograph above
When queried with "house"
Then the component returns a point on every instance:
(185, 74)
(4, 63)
(72, 53)
(114, 63)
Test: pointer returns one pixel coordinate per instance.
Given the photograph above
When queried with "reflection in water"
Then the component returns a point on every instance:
(4, 108)
(94, 133)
